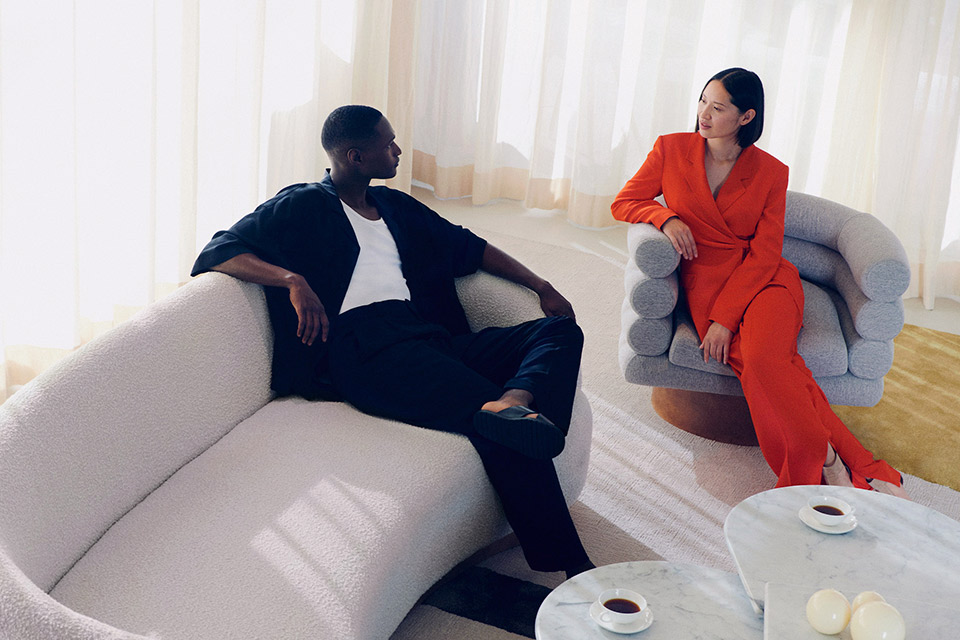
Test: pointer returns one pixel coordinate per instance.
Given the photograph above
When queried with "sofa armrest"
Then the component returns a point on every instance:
(490, 301)
(26, 611)
(650, 297)
(877, 259)
(651, 250)
(873, 319)
(870, 359)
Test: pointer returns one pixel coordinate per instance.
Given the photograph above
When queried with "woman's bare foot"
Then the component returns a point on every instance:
(834, 473)
(889, 488)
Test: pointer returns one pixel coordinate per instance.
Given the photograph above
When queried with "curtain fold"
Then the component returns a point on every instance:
(895, 154)
(131, 131)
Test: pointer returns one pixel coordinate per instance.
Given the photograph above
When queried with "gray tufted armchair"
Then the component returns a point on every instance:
(853, 270)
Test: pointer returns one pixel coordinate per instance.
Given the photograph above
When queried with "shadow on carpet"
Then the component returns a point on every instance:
(490, 598)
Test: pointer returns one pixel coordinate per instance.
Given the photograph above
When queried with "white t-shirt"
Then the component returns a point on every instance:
(377, 275)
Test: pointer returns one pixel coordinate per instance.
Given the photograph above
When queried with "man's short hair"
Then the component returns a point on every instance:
(349, 126)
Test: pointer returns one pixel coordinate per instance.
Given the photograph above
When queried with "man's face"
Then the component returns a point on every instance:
(380, 157)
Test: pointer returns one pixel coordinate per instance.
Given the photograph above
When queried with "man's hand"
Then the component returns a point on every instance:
(312, 317)
(554, 304)
(681, 237)
(310, 312)
(716, 344)
(500, 264)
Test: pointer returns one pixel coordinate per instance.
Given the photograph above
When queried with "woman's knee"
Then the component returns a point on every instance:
(763, 363)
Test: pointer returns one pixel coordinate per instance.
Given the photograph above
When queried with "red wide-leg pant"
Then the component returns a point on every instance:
(790, 413)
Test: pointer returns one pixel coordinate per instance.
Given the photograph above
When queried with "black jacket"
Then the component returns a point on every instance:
(305, 230)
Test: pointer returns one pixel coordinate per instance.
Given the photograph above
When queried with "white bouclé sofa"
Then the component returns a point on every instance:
(150, 486)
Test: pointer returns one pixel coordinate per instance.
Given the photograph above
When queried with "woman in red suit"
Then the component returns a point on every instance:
(724, 215)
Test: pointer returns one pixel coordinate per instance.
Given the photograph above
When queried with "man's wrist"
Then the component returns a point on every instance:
(293, 280)
(541, 286)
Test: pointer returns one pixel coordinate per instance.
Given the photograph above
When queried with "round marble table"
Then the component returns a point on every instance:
(899, 548)
(687, 601)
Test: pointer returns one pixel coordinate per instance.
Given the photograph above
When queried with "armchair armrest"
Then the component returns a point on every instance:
(873, 319)
(651, 250)
(650, 297)
(877, 259)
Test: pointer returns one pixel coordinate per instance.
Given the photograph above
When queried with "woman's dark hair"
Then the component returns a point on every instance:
(746, 92)
(348, 126)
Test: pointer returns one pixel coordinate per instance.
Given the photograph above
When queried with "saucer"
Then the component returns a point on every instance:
(807, 517)
(644, 621)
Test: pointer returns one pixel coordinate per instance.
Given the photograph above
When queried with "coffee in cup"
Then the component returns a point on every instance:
(621, 606)
(830, 511)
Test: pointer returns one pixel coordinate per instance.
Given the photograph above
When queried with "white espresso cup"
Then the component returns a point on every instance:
(621, 606)
(830, 511)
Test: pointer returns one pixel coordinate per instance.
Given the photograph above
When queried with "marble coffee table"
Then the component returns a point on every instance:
(687, 601)
(899, 548)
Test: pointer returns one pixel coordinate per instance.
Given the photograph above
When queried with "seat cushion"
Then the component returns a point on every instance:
(821, 341)
(308, 520)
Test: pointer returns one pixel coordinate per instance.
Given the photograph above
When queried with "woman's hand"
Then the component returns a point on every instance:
(681, 237)
(716, 344)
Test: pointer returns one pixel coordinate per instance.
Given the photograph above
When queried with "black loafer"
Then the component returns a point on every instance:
(534, 437)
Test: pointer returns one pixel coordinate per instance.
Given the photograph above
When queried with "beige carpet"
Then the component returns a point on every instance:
(653, 492)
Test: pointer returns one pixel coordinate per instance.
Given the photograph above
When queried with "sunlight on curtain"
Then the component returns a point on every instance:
(573, 93)
(557, 102)
(895, 155)
(131, 131)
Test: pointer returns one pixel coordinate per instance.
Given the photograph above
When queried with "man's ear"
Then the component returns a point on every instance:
(747, 116)
(353, 156)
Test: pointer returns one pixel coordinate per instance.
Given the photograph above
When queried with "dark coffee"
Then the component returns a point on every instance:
(622, 605)
(828, 510)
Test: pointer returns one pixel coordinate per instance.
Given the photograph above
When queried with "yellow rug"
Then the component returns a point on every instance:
(916, 426)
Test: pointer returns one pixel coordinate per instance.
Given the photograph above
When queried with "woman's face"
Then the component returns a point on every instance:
(718, 117)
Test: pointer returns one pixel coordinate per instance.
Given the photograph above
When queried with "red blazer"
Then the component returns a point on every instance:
(739, 235)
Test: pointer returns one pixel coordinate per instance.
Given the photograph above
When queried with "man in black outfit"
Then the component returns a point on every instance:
(360, 288)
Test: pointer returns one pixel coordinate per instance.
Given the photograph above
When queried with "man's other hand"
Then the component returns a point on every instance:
(554, 304)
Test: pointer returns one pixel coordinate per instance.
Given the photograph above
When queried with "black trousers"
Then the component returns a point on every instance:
(386, 361)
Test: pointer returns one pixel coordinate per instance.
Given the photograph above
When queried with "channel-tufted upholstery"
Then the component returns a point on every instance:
(853, 270)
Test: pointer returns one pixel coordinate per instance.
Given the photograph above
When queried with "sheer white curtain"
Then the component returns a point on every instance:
(131, 130)
(557, 102)
(896, 153)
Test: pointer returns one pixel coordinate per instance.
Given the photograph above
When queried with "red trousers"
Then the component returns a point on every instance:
(791, 415)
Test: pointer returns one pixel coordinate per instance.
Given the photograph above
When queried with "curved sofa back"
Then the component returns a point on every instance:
(88, 439)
